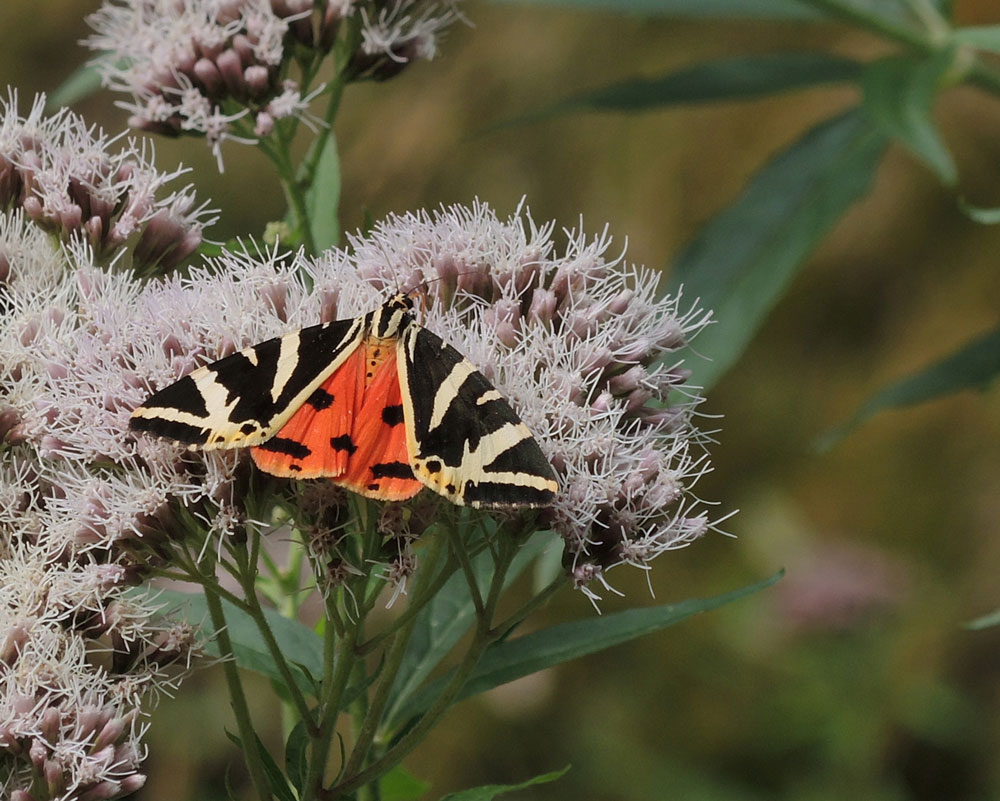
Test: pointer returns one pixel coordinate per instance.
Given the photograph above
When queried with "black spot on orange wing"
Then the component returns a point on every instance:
(286, 447)
(393, 415)
(392, 470)
(320, 399)
(343, 443)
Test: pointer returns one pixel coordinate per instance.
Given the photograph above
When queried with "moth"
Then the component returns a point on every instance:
(377, 403)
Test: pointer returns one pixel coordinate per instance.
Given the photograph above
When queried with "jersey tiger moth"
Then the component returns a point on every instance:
(377, 403)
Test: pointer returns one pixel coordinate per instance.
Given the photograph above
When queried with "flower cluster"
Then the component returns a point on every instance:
(218, 68)
(585, 351)
(79, 659)
(66, 178)
(580, 344)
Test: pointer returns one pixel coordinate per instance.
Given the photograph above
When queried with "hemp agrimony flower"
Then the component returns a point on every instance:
(219, 68)
(81, 662)
(76, 182)
(580, 345)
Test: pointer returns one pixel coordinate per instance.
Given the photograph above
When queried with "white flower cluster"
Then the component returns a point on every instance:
(398, 33)
(584, 348)
(67, 179)
(581, 345)
(202, 66)
(79, 659)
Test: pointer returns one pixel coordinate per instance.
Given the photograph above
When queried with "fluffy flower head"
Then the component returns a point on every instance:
(75, 181)
(581, 345)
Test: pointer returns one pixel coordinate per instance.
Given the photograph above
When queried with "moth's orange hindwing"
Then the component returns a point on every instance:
(464, 440)
(378, 465)
(245, 398)
(316, 441)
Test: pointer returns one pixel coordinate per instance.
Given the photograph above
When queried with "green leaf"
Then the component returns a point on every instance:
(731, 78)
(275, 778)
(899, 95)
(511, 659)
(973, 366)
(491, 791)
(758, 9)
(448, 616)
(298, 642)
(323, 197)
(743, 259)
(891, 11)
(296, 760)
(980, 214)
(985, 622)
(82, 83)
(982, 37)
(401, 785)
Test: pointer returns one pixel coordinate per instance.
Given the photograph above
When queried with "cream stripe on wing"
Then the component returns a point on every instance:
(288, 360)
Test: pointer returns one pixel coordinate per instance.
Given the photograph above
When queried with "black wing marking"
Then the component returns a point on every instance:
(464, 440)
(247, 397)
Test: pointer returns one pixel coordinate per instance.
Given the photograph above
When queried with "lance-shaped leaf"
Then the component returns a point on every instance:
(511, 659)
(401, 785)
(743, 259)
(899, 95)
(980, 214)
(985, 622)
(895, 11)
(82, 83)
(973, 366)
(449, 615)
(753, 9)
(323, 197)
(982, 37)
(725, 79)
(491, 791)
(300, 644)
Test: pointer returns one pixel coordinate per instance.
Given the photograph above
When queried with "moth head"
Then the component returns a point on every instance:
(393, 316)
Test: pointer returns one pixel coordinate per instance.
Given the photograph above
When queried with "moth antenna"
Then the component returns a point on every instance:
(422, 286)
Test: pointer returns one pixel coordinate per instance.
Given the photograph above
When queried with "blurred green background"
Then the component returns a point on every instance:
(851, 678)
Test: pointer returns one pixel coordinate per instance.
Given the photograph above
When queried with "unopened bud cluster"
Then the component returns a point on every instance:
(220, 69)
(73, 181)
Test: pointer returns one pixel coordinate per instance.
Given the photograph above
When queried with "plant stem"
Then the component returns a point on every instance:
(339, 662)
(257, 613)
(241, 711)
(393, 662)
(458, 549)
(412, 738)
(484, 636)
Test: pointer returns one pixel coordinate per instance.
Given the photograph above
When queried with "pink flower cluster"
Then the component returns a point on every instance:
(219, 68)
(77, 182)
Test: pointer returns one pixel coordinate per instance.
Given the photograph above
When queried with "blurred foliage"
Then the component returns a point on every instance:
(890, 698)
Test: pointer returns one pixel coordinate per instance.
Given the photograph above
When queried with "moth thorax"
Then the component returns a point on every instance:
(377, 350)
